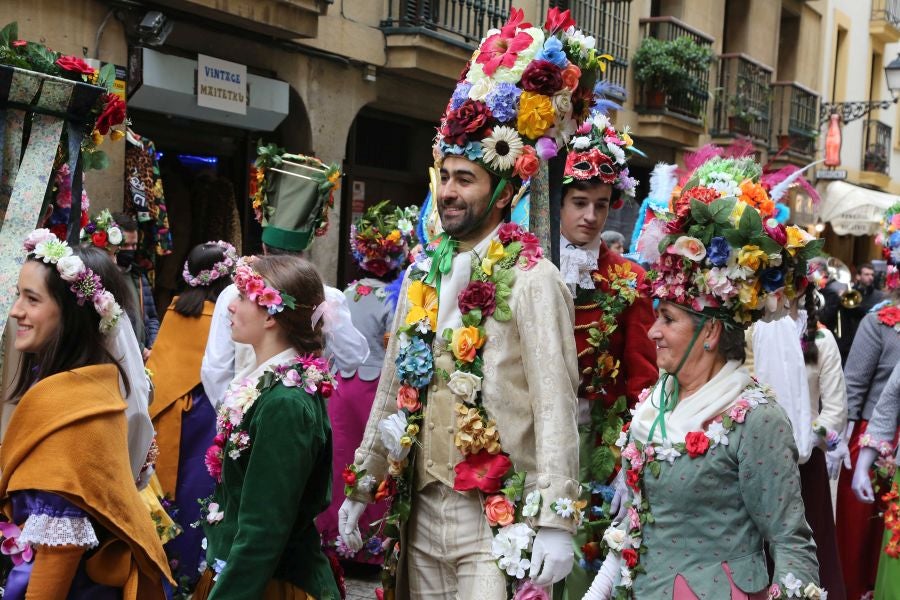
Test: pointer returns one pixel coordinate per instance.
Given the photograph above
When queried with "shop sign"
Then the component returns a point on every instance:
(831, 174)
(221, 84)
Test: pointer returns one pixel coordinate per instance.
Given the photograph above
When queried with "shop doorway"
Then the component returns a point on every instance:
(204, 169)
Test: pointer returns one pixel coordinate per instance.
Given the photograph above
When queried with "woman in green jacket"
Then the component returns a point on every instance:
(272, 453)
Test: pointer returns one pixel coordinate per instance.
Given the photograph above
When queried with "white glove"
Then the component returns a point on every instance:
(348, 523)
(606, 579)
(618, 507)
(834, 458)
(848, 433)
(862, 484)
(552, 556)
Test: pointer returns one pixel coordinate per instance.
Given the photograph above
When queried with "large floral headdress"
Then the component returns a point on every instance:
(524, 93)
(600, 152)
(381, 238)
(102, 230)
(43, 245)
(889, 240)
(721, 252)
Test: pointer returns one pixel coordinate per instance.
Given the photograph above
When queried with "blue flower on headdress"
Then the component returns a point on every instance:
(894, 240)
(460, 94)
(553, 52)
(772, 279)
(503, 101)
(472, 150)
(415, 363)
(718, 251)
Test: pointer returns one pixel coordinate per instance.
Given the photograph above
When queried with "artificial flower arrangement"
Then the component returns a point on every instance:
(381, 239)
(110, 110)
(889, 240)
(720, 249)
(270, 161)
(220, 270)
(522, 96)
(600, 152)
(102, 231)
(252, 285)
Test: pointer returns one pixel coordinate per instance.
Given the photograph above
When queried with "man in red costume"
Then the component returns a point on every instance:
(616, 359)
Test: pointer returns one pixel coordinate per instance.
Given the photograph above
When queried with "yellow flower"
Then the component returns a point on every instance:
(752, 257)
(116, 135)
(796, 238)
(406, 441)
(424, 302)
(412, 429)
(627, 139)
(494, 253)
(736, 212)
(97, 137)
(473, 434)
(465, 343)
(535, 115)
(394, 236)
(749, 295)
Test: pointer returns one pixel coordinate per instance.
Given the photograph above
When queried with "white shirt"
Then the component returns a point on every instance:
(457, 279)
(224, 357)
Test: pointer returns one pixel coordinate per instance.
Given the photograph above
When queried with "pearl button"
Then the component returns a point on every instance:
(431, 426)
(450, 430)
(429, 463)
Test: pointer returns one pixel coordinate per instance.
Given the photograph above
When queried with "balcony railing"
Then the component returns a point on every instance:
(876, 151)
(886, 10)
(692, 102)
(795, 119)
(463, 22)
(743, 103)
(608, 22)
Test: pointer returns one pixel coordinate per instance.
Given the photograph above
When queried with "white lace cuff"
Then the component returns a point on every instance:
(47, 530)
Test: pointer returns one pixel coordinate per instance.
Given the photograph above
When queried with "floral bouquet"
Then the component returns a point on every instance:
(381, 239)
(889, 240)
(600, 152)
(721, 252)
(524, 93)
(102, 231)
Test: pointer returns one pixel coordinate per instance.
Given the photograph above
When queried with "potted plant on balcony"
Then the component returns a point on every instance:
(875, 159)
(664, 67)
(741, 114)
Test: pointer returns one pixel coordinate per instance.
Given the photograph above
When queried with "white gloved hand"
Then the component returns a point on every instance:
(606, 580)
(618, 507)
(348, 523)
(834, 459)
(862, 484)
(552, 556)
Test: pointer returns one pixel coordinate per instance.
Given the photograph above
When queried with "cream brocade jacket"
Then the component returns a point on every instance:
(529, 389)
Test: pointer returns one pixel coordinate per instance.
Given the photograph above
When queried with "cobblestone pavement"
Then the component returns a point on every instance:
(361, 584)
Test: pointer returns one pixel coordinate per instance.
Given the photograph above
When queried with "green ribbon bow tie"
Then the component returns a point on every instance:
(441, 261)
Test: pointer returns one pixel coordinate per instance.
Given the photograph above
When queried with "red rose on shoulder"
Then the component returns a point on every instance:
(630, 557)
(113, 113)
(74, 64)
(468, 122)
(696, 443)
(99, 239)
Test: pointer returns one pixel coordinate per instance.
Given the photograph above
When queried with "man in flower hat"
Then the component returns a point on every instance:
(616, 359)
(471, 431)
(292, 196)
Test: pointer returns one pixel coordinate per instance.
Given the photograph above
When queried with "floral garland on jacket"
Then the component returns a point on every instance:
(232, 439)
(890, 316)
(625, 539)
(485, 466)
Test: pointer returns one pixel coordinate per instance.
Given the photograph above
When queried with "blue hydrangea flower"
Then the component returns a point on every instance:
(553, 52)
(503, 101)
(894, 240)
(472, 150)
(415, 363)
(718, 251)
(460, 94)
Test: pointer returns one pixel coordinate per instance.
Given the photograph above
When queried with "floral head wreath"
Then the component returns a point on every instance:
(42, 245)
(889, 240)
(720, 252)
(102, 231)
(525, 92)
(380, 240)
(252, 285)
(600, 152)
(220, 270)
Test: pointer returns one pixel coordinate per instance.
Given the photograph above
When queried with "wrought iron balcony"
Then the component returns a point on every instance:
(609, 23)
(691, 102)
(795, 120)
(743, 103)
(877, 149)
(461, 22)
(886, 10)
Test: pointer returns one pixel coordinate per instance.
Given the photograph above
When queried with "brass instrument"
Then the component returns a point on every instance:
(851, 298)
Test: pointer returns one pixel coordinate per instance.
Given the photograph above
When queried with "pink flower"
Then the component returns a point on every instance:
(546, 148)
(689, 247)
(254, 287)
(738, 412)
(530, 256)
(776, 231)
(292, 378)
(509, 232)
(529, 591)
(502, 49)
(363, 290)
(634, 456)
(634, 520)
(269, 297)
(213, 460)
(18, 553)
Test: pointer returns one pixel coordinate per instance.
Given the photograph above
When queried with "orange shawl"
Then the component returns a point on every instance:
(175, 363)
(68, 436)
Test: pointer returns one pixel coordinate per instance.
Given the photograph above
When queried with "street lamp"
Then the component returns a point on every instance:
(850, 111)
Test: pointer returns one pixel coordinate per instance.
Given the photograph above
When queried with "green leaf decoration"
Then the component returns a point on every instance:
(447, 334)
(750, 222)
(603, 463)
(502, 291)
(727, 422)
(9, 34)
(99, 160)
(472, 318)
(735, 238)
(767, 244)
(107, 76)
(654, 468)
(700, 211)
(611, 433)
(720, 210)
(811, 249)
(503, 276)
(502, 311)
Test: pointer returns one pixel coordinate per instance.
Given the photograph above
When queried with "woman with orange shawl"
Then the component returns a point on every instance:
(77, 528)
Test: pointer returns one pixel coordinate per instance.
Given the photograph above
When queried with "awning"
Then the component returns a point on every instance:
(854, 210)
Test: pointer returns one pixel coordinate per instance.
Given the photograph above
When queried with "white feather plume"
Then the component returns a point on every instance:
(781, 189)
(662, 183)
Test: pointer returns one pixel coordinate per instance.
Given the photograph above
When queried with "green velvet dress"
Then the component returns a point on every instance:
(270, 497)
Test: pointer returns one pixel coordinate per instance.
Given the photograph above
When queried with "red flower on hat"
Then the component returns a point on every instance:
(482, 471)
(542, 77)
(99, 239)
(470, 121)
(558, 20)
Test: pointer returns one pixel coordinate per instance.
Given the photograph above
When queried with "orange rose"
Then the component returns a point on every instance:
(527, 163)
(499, 510)
(570, 76)
(465, 343)
(408, 398)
